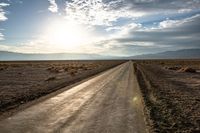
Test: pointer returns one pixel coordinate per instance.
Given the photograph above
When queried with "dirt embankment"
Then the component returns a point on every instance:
(21, 82)
(172, 99)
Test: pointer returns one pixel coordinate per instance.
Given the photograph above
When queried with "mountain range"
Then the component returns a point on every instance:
(179, 54)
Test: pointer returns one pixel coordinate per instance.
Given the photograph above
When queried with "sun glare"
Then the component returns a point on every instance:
(67, 35)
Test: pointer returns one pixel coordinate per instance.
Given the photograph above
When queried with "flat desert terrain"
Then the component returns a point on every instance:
(107, 103)
(171, 93)
(21, 82)
(114, 96)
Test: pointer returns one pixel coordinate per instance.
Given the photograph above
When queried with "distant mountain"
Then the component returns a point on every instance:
(5, 55)
(179, 54)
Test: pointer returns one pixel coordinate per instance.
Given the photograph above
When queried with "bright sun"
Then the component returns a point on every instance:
(67, 34)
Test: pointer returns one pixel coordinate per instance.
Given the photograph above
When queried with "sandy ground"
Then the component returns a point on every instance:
(22, 82)
(108, 103)
(172, 98)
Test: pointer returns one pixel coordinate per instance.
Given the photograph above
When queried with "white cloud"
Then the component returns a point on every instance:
(42, 46)
(1, 36)
(2, 11)
(4, 4)
(184, 10)
(5, 48)
(118, 35)
(144, 1)
(53, 6)
(3, 16)
(169, 23)
(174, 23)
(177, 34)
(97, 12)
(125, 29)
(135, 39)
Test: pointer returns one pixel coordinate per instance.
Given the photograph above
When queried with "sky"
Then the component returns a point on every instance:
(105, 27)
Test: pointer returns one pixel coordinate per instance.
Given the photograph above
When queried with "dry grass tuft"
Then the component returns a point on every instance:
(50, 79)
(187, 69)
(1, 68)
(72, 72)
(55, 69)
(173, 68)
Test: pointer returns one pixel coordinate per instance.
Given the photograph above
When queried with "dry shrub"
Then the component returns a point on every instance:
(73, 68)
(173, 68)
(72, 72)
(50, 79)
(16, 65)
(81, 67)
(60, 70)
(3, 67)
(49, 69)
(85, 68)
(55, 69)
(162, 63)
(66, 69)
(187, 69)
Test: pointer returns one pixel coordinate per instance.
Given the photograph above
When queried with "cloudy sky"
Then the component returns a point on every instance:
(108, 27)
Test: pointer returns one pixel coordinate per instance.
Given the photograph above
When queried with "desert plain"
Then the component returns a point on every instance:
(170, 89)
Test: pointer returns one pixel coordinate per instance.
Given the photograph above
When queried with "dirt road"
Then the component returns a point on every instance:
(108, 103)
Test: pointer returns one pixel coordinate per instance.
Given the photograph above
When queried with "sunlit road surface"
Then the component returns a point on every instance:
(108, 103)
